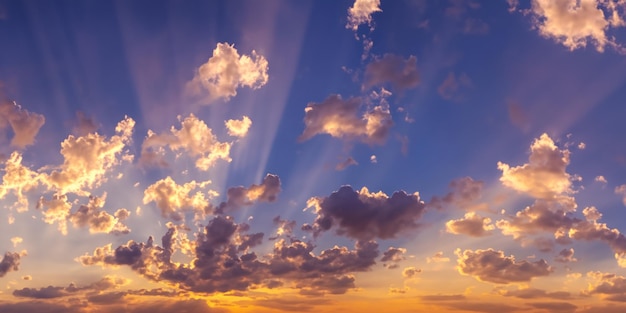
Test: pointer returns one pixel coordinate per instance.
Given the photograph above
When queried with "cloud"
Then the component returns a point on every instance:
(493, 266)
(533, 293)
(240, 196)
(437, 298)
(611, 285)
(483, 307)
(518, 116)
(392, 257)
(392, 69)
(364, 215)
(24, 125)
(344, 164)
(361, 13)
(471, 225)
(19, 180)
(194, 137)
(453, 86)
(541, 216)
(10, 262)
(84, 125)
(173, 199)
(222, 261)
(50, 292)
(87, 159)
(564, 307)
(16, 241)
(348, 120)
(410, 272)
(465, 191)
(621, 190)
(575, 24)
(544, 176)
(97, 220)
(438, 257)
(600, 179)
(565, 256)
(225, 72)
(591, 230)
(238, 128)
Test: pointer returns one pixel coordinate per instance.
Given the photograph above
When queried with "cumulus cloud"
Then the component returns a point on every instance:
(493, 266)
(347, 119)
(364, 215)
(24, 125)
(19, 180)
(97, 220)
(225, 72)
(541, 216)
(471, 224)
(240, 196)
(361, 13)
(222, 261)
(238, 128)
(392, 257)
(194, 137)
(575, 24)
(392, 69)
(173, 199)
(10, 262)
(87, 159)
(544, 176)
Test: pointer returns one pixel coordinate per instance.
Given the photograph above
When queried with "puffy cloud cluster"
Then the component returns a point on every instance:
(98, 220)
(541, 216)
(361, 13)
(493, 266)
(347, 119)
(10, 262)
(565, 256)
(238, 128)
(226, 71)
(471, 225)
(24, 125)
(392, 69)
(612, 286)
(364, 215)
(19, 180)
(575, 24)
(87, 159)
(240, 196)
(544, 176)
(173, 199)
(194, 137)
(223, 260)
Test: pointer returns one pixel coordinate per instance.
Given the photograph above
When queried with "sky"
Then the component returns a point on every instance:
(313, 156)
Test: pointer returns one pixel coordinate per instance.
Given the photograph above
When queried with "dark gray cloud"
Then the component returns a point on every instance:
(393, 256)
(493, 266)
(364, 216)
(10, 263)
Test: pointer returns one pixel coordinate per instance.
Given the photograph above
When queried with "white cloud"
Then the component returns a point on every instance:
(193, 137)
(19, 179)
(225, 72)
(577, 23)
(238, 128)
(173, 199)
(621, 190)
(544, 176)
(345, 119)
(361, 13)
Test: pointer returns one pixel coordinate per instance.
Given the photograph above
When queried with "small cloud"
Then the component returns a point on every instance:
(565, 256)
(16, 241)
(361, 13)
(344, 164)
(25, 125)
(471, 224)
(582, 146)
(238, 128)
(225, 72)
(373, 159)
(410, 272)
(437, 258)
(601, 179)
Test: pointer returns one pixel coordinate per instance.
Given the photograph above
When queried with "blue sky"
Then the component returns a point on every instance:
(486, 135)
